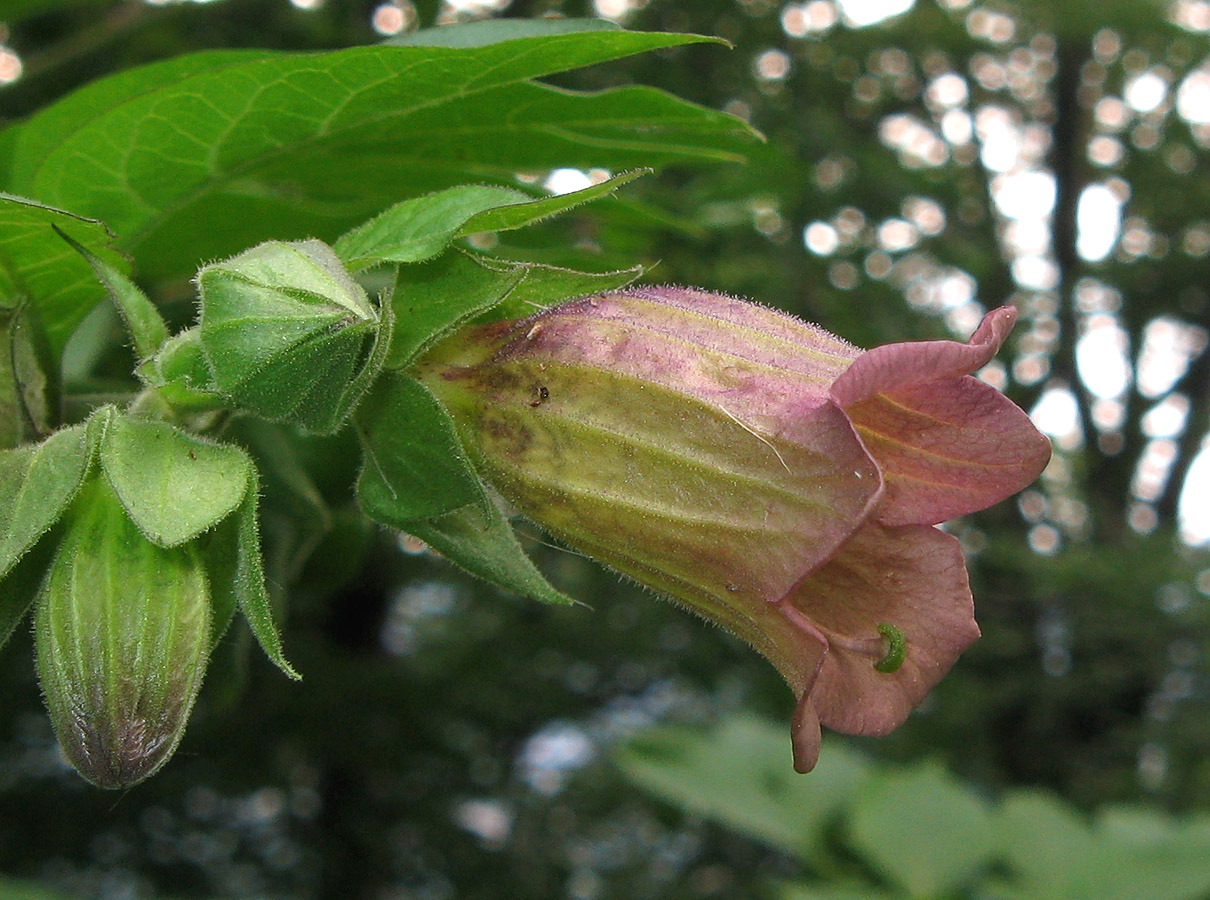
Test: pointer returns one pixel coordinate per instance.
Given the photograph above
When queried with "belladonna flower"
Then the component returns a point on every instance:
(758, 470)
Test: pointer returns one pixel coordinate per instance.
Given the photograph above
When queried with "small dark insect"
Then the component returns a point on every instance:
(193, 456)
(543, 396)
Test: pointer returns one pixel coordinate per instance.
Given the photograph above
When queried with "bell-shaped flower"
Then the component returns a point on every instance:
(758, 470)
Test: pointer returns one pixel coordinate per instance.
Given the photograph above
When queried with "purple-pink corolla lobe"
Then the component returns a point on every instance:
(758, 470)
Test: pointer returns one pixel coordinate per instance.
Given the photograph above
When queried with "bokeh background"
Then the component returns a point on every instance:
(925, 161)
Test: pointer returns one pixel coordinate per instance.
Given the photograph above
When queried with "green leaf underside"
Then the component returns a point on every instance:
(36, 484)
(422, 227)
(248, 581)
(147, 329)
(481, 540)
(37, 264)
(173, 485)
(199, 161)
(414, 466)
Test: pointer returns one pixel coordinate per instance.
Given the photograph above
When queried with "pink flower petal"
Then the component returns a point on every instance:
(751, 360)
(948, 448)
(911, 577)
(893, 367)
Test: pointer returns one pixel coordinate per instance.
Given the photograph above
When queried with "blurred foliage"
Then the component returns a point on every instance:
(451, 741)
(873, 831)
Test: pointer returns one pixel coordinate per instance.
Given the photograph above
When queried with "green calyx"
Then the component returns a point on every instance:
(289, 335)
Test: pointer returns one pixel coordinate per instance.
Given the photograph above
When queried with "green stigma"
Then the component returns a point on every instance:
(896, 648)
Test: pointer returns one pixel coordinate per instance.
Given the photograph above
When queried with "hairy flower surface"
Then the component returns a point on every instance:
(760, 471)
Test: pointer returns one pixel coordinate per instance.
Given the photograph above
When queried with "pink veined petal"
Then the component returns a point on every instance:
(912, 577)
(893, 367)
(948, 448)
(806, 737)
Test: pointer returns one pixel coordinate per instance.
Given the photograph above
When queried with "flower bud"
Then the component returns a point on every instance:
(122, 631)
(757, 469)
(286, 331)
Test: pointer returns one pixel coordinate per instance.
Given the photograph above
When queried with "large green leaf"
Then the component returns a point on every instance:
(739, 775)
(925, 830)
(1054, 853)
(38, 265)
(220, 156)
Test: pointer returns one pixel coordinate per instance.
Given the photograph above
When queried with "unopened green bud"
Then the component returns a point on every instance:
(123, 631)
(286, 332)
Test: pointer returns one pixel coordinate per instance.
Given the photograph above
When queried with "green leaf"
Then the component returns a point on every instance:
(480, 540)
(740, 776)
(926, 831)
(146, 327)
(220, 555)
(495, 31)
(36, 484)
(433, 298)
(545, 286)
(173, 485)
(847, 890)
(221, 151)
(19, 588)
(29, 378)
(422, 227)
(1055, 853)
(507, 218)
(415, 467)
(36, 264)
(41, 134)
(1045, 841)
(248, 581)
